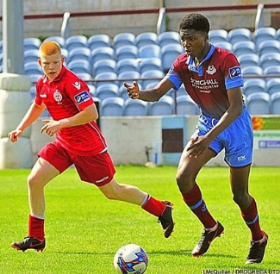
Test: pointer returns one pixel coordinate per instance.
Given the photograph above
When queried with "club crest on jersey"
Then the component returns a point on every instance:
(57, 96)
(211, 70)
(82, 97)
(235, 72)
(77, 85)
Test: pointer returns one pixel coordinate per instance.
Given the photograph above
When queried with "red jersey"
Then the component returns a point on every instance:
(64, 97)
(208, 83)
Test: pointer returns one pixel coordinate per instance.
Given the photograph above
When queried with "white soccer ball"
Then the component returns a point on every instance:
(131, 259)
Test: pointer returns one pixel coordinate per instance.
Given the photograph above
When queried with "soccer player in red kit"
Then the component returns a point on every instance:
(78, 141)
(212, 77)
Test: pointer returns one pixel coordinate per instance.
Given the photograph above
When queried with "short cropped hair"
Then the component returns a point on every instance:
(195, 21)
(49, 48)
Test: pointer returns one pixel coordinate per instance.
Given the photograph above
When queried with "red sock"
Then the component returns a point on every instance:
(36, 227)
(251, 218)
(154, 206)
(194, 200)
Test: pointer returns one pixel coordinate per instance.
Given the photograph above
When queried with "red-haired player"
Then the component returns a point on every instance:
(78, 141)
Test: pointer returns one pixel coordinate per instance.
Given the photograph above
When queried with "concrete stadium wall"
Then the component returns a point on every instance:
(112, 25)
(129, 137)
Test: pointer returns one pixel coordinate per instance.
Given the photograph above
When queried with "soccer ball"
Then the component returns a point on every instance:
(131, 259)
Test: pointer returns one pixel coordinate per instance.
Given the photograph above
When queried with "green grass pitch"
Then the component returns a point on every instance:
(84, 229)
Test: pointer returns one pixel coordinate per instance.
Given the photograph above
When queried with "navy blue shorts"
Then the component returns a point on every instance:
(237, 139)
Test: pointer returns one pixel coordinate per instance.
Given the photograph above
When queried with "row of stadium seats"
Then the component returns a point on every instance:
(257, 104)
(103, 40)
(240, 41)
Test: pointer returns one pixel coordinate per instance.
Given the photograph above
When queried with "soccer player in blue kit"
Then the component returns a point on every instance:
(212, 77)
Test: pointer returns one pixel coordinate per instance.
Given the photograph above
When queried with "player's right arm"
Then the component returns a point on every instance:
(149, 95)
(32, 115)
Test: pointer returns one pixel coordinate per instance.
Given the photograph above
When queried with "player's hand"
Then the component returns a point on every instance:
(13, 135)
(51, 127)
(132, 90)
(197, 146)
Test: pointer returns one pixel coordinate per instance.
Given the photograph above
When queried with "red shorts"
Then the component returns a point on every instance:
(96, 169)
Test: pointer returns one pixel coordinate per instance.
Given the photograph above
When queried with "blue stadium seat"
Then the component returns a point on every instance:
(150, 64)
(146, 38)
(264, 34)
(273, 85)
(80, 66)
(270, 59)
(106, 65)
(104, 77)
(84, 76)
(58, 39)
(251, 71)
(271, 71)
(275, 103)
(129, 75)
(186, 106)
(127, 64)
(254, 85)
(32, 92)
(32, 68)
(258, 103)
(76, 41)
(124, 39)
(165, 106)
(218, 35)
(155, 75)
(65, 54)
(35, 77)
(31, 43)
(169, 53)
(106, 90)
(113, 106)
(169, 37)
(135, 107)
(278, 34)
(31, 55)
(101, 54)
(92, 90)
(239, 34)
(98, 40)
(244, 47)
(79, 53)
(175, 93)
(269, 46)
(149, 51)
(224, 45)
(249, 59)
(128, 51)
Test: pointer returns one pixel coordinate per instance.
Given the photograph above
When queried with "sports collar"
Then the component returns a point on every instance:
(199, 70)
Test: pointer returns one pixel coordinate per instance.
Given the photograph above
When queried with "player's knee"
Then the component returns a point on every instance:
(184, 181)
(33, 181)
(239, 197)
(113, 193)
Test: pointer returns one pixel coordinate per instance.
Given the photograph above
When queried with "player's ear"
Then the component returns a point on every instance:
(40, 61)
(62, 59)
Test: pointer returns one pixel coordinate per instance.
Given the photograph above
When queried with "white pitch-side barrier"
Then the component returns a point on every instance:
(15, 100)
